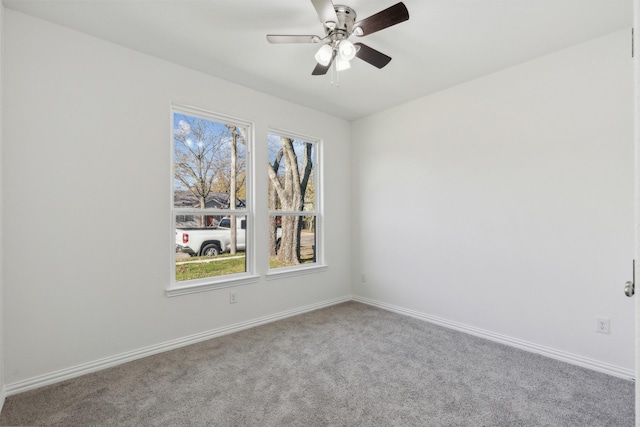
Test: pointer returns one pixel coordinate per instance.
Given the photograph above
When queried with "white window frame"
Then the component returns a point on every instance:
(176, 288)
(319, 265)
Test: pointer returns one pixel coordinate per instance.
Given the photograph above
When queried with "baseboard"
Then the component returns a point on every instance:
(584, 362)
(108, 362)
(3, 396)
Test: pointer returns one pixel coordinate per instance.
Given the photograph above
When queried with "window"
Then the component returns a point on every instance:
(294, 211)
(211, 206)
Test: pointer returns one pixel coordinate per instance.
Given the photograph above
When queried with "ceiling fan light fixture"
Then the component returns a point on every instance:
(347, 50)
(324, 54)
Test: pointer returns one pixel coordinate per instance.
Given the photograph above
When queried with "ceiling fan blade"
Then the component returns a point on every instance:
(278, 38)
(325, 10)
(372, 56)
(320, 69)
(391, 16)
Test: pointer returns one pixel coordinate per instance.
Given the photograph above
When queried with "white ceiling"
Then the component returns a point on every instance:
(444, 43)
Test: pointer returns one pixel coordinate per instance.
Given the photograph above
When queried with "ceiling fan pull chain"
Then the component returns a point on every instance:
(335, 75)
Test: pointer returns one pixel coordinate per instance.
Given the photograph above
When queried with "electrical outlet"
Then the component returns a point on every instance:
(603, 325)
(233, 297)
(363, 278)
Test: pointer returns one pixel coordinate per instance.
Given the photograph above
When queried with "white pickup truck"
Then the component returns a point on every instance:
(211, 241)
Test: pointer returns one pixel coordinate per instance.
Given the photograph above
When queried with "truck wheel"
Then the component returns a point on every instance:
(211, 250)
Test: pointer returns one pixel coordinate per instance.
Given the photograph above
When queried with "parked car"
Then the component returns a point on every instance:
(211, 241)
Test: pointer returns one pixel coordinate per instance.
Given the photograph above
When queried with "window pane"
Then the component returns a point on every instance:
(292, 240)
(211, 251)
(291, 174)
(209, 159)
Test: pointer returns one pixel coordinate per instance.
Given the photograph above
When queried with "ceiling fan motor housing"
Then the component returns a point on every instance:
(344, 27)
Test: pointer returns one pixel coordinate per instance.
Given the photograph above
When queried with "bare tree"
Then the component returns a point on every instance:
(195, 156)
(273, 204)
(207, 159)
(290, 190)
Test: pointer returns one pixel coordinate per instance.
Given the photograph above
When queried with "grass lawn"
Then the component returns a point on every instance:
(306, 257)
(202, 267)
(210, 267)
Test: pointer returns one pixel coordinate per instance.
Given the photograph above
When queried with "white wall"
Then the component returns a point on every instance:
(505, 204)
(86, 169)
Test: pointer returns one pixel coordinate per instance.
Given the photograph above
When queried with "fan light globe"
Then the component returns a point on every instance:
(342, 64)
(347, 50)
(324, 54)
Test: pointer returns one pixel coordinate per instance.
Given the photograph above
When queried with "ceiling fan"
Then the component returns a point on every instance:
(339, 24)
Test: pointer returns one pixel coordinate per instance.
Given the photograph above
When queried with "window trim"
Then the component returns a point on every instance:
(175, 288)
(318, 175)
(295, 270)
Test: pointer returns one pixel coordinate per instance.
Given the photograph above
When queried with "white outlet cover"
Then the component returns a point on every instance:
(603, 325)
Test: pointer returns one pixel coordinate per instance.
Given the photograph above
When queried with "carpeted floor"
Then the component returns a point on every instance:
(346, 365)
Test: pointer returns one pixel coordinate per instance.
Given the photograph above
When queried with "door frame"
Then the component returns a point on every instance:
(636, 115)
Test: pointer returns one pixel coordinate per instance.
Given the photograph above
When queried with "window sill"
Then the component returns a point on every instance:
(209, 286)
(283, 272)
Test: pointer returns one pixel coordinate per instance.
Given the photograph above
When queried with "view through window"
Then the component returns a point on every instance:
(210, 205)
(293, 205)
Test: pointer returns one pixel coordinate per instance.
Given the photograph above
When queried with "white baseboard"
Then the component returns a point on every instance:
(584, 362)
(107, 362)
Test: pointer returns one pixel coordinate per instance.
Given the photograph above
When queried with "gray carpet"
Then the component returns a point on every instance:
(346, 365)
